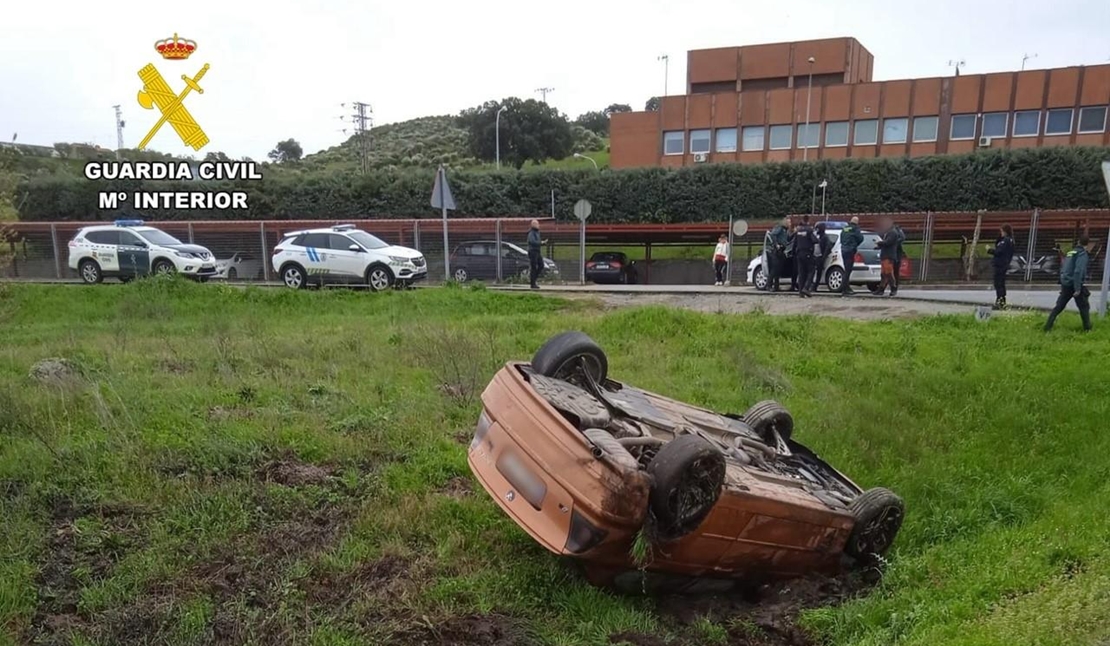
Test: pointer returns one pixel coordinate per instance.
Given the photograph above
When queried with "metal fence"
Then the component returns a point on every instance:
(942, 247)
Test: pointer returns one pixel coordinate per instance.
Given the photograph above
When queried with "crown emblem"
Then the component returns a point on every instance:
(175, 49)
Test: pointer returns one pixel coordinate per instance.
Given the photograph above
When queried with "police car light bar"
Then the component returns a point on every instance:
(832, 224)
(343, 227)
(129, 223)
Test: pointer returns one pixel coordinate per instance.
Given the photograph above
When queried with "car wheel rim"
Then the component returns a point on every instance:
(89, 273)
(760, 279)
(162, 269)
(460, 275)
(835, 281)
(293, 278)
(378, 279)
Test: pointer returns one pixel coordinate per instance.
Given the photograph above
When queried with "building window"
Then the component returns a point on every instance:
(894, 130)
(867, 132)
(1027, 124)
(780, 137)
(674, 142)
(836, 133)
(1058, 122)
(924, 129)
(963, 127)
(1092, 119)
(994, 124)
(809, 136)
(726, 140)
(752, 137)
(699, 141)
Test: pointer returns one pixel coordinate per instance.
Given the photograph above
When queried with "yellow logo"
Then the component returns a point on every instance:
(157, 93)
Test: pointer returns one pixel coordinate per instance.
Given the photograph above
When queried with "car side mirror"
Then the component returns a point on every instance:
(141, 244)
(354, 247)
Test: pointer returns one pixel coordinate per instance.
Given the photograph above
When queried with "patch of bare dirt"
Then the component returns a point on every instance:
(56, 372)
(294, 473)
(222, 414)
(467, 630)
(457, 487)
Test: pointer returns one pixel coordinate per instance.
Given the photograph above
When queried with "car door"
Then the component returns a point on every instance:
(342, 261)
(317, 250)
(104, 249)
(134, 255)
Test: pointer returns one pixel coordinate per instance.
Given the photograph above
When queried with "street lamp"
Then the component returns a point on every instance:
(497, 134)
(666, 64)
(824, 185)
(809, 96)
(581, 156)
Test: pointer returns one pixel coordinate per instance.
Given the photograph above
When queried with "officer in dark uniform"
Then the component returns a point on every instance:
(1072, 275)
(821, 253)
(1003, 254)
(779, 239)
(850, 239)
(804, 242)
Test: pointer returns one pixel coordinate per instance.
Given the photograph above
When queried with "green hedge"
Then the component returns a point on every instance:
(995, 180)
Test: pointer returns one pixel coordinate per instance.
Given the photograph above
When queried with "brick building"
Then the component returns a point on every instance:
(749, 104)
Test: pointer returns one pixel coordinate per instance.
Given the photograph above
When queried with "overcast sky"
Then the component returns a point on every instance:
(281, 69)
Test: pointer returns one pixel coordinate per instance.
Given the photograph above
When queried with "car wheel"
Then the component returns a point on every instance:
(759, 278)
(768, 416)
(90, 272)
(687, 476)
(126, 279)
(564, 354)
(378, 278)
(293, 277)
(232, 274)
(164, 267)
(879, 514)
(461, 275)
(835, 279)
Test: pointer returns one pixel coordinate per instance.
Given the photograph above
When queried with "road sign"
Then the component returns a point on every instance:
(739, 228)
(441, 192)
(583, 209)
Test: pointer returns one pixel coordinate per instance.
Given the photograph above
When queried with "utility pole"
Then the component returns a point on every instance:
(119, 131)
(1025, 58)
(363, 121)
(666, 65)
(543, 92)
(957, 64)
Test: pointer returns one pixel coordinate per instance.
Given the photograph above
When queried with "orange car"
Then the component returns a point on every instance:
(632, 483)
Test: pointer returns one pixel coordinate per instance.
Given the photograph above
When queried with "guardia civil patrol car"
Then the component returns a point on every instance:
(127, 249)
(345, 254)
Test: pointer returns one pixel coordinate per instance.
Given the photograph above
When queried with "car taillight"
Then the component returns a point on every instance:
(72, 243)
(615, 265)
(583, 534)
(480, 430)
(858, 258)
(590, 265)
(278, 250)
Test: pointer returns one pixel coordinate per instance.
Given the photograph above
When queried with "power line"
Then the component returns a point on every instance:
(363, 120)
(119, 131)
(543, 92)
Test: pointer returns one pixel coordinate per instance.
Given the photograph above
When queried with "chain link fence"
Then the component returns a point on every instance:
(943, 248)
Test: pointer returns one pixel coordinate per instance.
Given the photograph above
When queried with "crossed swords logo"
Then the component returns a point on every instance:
(157, 93)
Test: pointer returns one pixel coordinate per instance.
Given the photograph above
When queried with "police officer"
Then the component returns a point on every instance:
(820, 253)
(1003, 254)
(850, 239)
(535, 259)
(1071, 284)
(779, 239)
(888, 257)
(805, 240)
(899, 254)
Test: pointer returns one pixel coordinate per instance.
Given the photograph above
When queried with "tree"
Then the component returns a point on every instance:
(594, 121)
(286, 151)
(218, 156)
(530, 130)
(652, 104)
(9, 180)
(617, 107)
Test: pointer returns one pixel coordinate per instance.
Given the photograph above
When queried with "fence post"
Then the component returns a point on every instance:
(57, 256)
(191, 238)
(498, 252)
(1034, 220)
(927, 249)
(262, 236)
(416, 235)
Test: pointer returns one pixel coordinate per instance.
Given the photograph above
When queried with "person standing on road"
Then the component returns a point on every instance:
(1072, 275)
(776, 253)
(720, 259)
(888, 255)
(805, 240)
(535, 259)
(820, 253)
(1003, 254)
(850, 239)
(900, 254)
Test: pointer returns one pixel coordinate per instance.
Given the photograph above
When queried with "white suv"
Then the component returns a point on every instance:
(344, 254)
(127, 250)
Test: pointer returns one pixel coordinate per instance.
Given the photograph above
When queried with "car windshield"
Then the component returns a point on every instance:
(870, 241)
(366, 240)
(606, 257)
(161, 238)
(515, 248)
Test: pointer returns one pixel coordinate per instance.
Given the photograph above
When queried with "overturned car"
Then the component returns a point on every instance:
(632, 483)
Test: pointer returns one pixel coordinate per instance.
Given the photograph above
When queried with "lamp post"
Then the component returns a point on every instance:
(666, 63)
(581, 156)
(824, 185)
(809, 96)
(497, 134)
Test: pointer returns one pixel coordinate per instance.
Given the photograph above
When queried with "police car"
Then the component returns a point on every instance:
(866, 268)
(127, 250)
(345, 254)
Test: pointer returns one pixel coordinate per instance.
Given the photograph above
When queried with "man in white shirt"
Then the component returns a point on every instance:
(720, 259)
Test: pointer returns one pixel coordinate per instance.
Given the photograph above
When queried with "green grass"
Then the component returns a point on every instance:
(263, 465)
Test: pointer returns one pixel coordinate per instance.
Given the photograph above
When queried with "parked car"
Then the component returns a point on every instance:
(240, 265)
(586, 464)
(611, 267)
(345, 254)
(867, 269)
(477, 260)
(127, 249)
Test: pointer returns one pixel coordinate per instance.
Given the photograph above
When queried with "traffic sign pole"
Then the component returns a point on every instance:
(582, 210)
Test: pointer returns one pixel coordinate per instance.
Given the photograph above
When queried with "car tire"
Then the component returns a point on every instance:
(126, 279)
(232, 274)
(460, 274)
(294, 277)
(879, 513)
(834, 279)
(379, 278)
(90, 272)
(759, 278)
(611, 449)
(559, 357)
(687, 476)
(163, 267)
(767, 416)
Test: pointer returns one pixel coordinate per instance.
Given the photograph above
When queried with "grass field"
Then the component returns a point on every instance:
(264, 466)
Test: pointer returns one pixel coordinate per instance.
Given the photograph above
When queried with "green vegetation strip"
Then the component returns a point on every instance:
(261, 466)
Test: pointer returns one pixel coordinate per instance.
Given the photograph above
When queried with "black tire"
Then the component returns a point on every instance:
(879, 513)
(294, 276)
(835, 275)
(162, 267)
(769, 415)
(757, 276)
(232, 274)
(90, 272)
(126, 279)
(559, 357)
(687, 476)
(202, 279)
(379, 278)
(611, 449)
